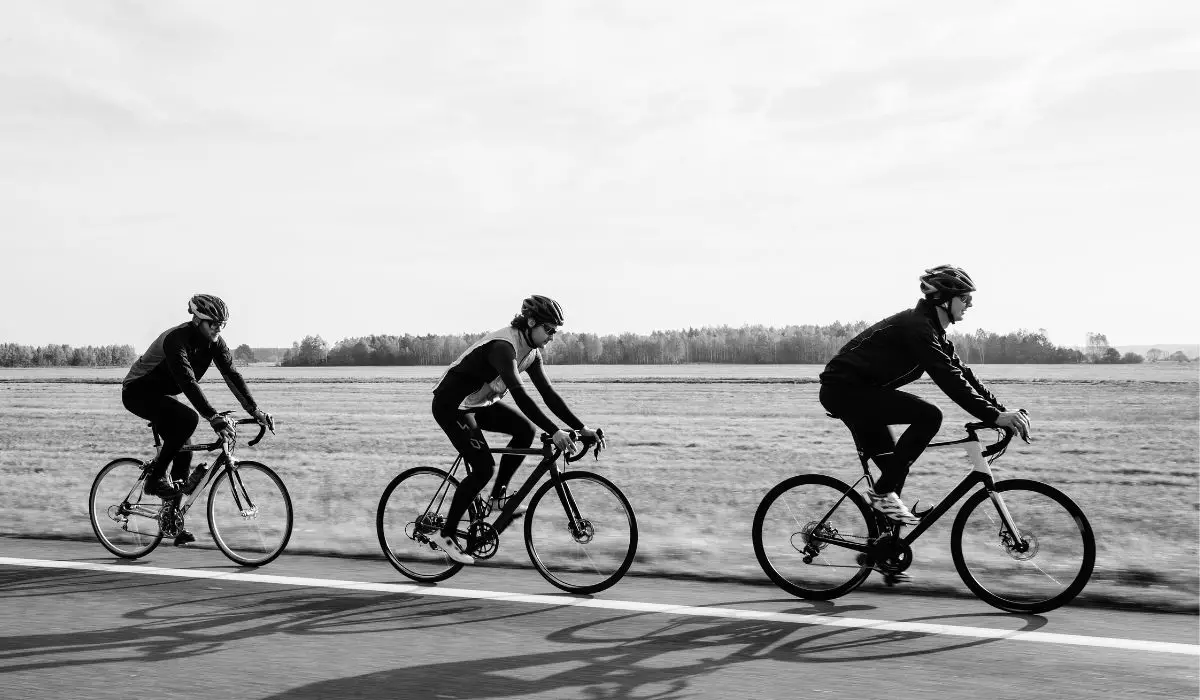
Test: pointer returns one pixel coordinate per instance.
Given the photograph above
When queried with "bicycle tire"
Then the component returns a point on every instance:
(112, 513)
(602, 544)
(409, 548)
(779, 536)
(250, 539)
(1014, 578)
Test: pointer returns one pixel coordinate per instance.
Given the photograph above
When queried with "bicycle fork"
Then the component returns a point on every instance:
(1009, 533)
(580, 528)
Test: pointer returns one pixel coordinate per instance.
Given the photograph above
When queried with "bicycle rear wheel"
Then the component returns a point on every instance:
(584, 539)
(250, 513)
(123, 517)
(782, 532)
(1043, 568)
(411, 513)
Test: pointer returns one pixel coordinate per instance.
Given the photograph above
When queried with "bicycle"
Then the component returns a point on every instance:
(583, 546)
(249, 509)
(1019, 545)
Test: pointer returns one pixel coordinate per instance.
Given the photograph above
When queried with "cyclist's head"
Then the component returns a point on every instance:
(207, 307)
(541, 309)
(944, 282)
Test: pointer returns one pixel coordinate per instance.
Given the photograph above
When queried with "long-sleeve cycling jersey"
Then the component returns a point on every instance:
(902, 347)
(178, 359)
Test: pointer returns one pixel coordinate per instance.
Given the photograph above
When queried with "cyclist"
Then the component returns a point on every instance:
(466, 402)
(859, 385)
(174, 364)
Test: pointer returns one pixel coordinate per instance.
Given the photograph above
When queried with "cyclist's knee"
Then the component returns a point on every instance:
(931, 417)
(523, 437)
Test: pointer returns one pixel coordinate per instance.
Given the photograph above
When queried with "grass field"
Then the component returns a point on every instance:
(695, 448)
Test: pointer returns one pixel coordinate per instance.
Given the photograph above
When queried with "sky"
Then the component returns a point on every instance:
(354, 168)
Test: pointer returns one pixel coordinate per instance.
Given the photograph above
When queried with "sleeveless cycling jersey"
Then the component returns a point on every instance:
(472, 381)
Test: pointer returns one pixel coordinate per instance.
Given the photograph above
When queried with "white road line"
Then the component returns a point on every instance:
(630, 606)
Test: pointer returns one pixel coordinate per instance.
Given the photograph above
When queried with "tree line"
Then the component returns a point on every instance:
(803, 344)
(15, 355)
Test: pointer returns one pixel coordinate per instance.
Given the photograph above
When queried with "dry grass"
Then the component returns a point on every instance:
(694, 457)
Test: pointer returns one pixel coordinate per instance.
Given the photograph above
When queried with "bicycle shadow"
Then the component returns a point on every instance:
(211, 623)
(649, 655)
(667, 662)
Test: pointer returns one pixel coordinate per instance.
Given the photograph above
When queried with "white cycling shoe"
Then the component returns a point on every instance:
(891, 507)
(452, 550)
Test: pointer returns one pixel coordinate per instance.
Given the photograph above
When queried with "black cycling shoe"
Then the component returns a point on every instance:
(184, 537)
(162, 487)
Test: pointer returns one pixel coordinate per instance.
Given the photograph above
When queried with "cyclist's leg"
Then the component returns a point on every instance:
(923, 420)
(175, 423)
(499, 418)
(868, 412)
(466, 437)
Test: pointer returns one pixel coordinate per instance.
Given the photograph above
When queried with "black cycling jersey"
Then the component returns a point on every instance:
(177, 360)
(902, 347)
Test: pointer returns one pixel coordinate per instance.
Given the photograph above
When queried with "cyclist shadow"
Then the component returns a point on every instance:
(667, 661)
(199, 625)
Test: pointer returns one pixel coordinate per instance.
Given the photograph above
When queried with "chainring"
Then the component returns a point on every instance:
(891, 554)
(482, 540)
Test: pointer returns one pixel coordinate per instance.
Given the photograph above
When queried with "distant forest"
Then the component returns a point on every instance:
(14, 355)
(722, 344)
(806, 344)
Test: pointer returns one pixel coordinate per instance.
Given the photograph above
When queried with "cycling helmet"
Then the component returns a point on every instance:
(209, 308)
(945, 282)
(542, 310)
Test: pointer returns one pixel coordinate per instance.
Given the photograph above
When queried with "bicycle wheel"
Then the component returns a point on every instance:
(584, 539)
(411, 512)
(784, 522)
(124, 518)
(1045, 567)
(250, 513)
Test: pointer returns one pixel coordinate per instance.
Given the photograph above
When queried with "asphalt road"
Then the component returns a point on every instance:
(186, 623)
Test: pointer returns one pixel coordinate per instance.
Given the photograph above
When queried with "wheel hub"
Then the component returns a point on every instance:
(1023, 548)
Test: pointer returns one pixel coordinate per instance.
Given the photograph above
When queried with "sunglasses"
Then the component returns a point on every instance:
(215, 325)
(550, 329)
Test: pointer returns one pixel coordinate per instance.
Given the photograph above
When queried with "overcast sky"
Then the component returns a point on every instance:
(348, 168)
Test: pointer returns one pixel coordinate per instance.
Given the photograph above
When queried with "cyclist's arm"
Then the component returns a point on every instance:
(223, 359)
(180, 367)
(503, 357)
(947, 373)
(554, 402)
(974, 381)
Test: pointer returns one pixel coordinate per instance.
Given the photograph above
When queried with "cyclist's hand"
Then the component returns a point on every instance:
(264, 418)
(221, 426)
(1017, 421)
(591, 436)
(562, 440)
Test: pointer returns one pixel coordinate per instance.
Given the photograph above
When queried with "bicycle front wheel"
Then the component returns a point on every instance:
(250, 513)
(804, 531)
(123, 517)
(584, 539)
(1047, 562)
(411, 513)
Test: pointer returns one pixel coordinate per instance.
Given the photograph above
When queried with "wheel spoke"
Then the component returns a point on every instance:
(250, 535)
(1044, 566)
(783, 530)
(411, 513)
(591, 553)
(124, 518)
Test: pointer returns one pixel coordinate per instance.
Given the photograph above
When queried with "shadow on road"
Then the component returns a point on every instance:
(646, 655)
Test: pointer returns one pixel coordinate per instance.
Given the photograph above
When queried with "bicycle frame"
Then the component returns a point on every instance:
(548, 465)
(981, 473)
(223, 462)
